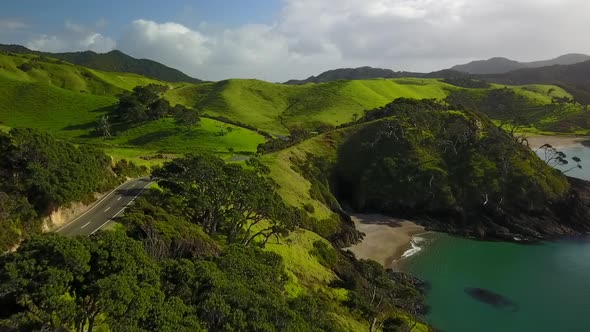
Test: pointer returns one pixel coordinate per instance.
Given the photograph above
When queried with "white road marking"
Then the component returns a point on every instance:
(107, 209)
(86, 224)
(119, 198)
(92, 208)
(123, 209)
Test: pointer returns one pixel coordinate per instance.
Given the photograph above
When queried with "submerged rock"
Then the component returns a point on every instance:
(494, 299)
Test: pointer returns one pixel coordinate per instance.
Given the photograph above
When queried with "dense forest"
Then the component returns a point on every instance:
(191, 257)
(41, 174)
(422, 159)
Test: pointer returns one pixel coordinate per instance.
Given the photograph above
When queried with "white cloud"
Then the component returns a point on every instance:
(170, 43)
(314, 35)
(12, 24)
(310, 36)
(73, 37)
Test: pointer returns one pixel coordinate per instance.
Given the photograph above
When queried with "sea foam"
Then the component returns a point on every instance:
(416, 248)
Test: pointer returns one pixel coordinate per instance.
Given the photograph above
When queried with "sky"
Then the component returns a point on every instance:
(277, 40)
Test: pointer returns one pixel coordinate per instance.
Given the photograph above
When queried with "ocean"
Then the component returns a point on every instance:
(478, 286)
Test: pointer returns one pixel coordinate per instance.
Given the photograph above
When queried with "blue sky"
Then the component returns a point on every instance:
(50, 15)
(276, 40)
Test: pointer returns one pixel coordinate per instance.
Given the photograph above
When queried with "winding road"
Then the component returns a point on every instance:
(106, 209)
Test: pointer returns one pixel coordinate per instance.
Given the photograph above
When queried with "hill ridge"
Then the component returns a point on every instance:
(501, 65)
(113, 61)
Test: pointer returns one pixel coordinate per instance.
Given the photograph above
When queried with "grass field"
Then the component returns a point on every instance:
(164, 136)
(45, 107)
(276, 108)
(66, 100)
(68, 76)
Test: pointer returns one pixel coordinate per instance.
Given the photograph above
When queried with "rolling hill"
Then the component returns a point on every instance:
(500, 65)
(66, 100)
(361, 73)
(279, 108)
(574, 78)
(368, 73)
(114, 61)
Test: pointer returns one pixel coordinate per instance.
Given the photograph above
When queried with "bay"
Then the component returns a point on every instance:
(549, 284)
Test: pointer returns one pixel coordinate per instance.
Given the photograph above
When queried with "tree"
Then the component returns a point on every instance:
(103, 126)
(142, 104)
(553, 157)
(122, 282)
(226, 198)
(185, 117)
(67, 282)
(39, 275)
(158, 109)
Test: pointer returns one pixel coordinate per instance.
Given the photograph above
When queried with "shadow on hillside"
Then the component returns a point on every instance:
(378, 219)
(105, 110)
(152, 137)
(82, 126)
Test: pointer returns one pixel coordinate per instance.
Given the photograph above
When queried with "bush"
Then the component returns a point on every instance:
(326, 254)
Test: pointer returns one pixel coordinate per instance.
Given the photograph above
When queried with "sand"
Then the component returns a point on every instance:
(557, 141)
(386, 238)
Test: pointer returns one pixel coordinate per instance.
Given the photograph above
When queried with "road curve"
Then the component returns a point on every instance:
(109, 207)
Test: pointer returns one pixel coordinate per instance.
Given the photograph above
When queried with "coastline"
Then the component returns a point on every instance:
(537, 141)
(386, 239)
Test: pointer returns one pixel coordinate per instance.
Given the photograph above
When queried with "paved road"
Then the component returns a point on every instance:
(106, 209)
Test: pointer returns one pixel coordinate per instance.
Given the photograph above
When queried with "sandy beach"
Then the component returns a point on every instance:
(386, 238)
(557, 141)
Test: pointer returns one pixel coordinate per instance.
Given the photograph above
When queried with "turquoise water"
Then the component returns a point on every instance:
(549, 283)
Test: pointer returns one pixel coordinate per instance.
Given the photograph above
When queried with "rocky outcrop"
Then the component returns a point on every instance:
(63, 215)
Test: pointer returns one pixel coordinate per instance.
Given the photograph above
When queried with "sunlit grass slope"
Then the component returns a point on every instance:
(35, 69)
(46, 107)
(66, 100)
(277, 108)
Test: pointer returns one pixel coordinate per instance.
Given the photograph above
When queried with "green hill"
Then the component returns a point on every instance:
(503, 65)
(40, 69)
(575, 78)
(422, 161)
(278, 108)
(114, 61)
(66, 100)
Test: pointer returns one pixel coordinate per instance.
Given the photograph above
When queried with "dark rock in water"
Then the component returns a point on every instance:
(494, 299)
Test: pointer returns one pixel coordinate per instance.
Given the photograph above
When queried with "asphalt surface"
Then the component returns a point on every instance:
(106, 209)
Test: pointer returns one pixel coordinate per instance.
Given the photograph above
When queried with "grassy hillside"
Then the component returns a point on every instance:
(66, 100)
(46, 107)
(277, 108)
(574, 78)
(114, 61)
(36, 69)
(445, 170)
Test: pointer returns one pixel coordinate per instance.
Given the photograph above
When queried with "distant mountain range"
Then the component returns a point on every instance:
(361, 73)
(574, 78)
(367, 73)
(503, 65)
(483, 67)
(114, 61)
(571, 72)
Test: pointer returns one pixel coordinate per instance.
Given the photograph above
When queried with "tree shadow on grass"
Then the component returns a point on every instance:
(81, 126)
(106, 110)
(152, 137)
(192, 133)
